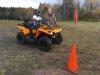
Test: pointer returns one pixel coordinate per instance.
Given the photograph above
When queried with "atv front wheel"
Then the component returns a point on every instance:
(20, 38)
(44, 43)
(57, 39)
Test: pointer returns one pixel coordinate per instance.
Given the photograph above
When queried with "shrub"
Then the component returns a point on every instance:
(89, 15)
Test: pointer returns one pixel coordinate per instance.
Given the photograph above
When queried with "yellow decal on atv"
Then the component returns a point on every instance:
(46, 31)
(38, 33)
(24, 30)
(34, 30)
(57, 30)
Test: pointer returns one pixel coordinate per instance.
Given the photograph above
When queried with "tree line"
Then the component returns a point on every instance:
(62, 11)
(15, 13)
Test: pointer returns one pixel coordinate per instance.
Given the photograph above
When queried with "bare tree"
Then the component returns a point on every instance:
(92, 4)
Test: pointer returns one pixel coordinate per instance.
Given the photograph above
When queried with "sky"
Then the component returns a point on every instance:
(26, 3)
(82, 2)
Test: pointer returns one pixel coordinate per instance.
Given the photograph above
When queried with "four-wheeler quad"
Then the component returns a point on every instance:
(43, 35)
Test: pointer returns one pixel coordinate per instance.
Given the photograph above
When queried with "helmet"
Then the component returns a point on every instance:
(37, 12)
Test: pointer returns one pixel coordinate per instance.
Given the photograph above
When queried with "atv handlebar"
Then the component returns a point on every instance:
(46, 22)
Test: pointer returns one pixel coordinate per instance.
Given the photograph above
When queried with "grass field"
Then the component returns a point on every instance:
(17, 59)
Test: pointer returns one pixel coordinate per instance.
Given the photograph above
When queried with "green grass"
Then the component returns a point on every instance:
(17, 59)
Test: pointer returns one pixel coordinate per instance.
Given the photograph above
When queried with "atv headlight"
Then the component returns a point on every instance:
(60, 29)
(50, 32)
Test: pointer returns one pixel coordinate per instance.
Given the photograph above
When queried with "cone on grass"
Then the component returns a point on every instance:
(72, 65)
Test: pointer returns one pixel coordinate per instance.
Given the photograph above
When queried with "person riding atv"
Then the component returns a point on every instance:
(47, 13)
(43, 34)
(36, 17)
(35, 22)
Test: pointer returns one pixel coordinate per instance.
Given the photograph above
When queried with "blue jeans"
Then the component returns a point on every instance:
(33, 24)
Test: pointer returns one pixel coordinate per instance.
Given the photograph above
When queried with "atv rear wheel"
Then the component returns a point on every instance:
(44, 43)
(20, 38)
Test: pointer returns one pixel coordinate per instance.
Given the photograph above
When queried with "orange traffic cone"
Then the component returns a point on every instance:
(72, 65)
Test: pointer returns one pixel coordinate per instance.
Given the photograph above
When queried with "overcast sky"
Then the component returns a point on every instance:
(26, 3)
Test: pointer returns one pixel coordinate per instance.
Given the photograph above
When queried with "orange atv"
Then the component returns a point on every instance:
(42, 36)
